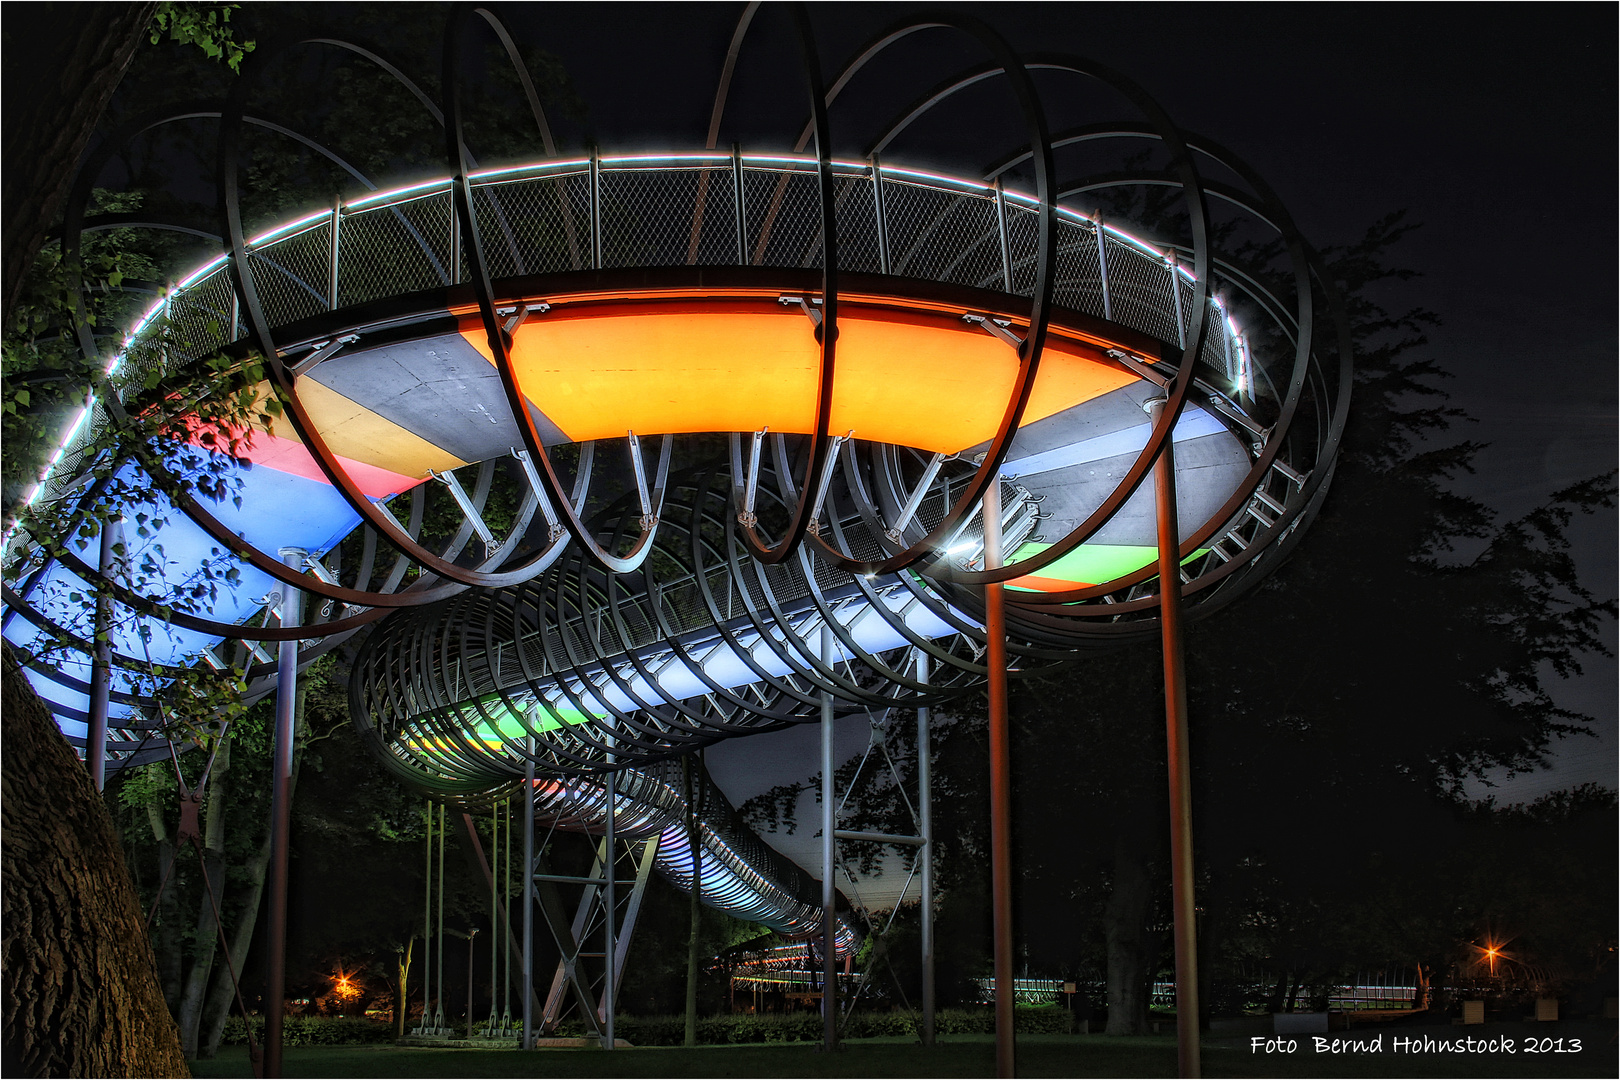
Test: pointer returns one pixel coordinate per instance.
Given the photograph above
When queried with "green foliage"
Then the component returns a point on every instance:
(806, 1027)
(312, 1030)
(207, 26)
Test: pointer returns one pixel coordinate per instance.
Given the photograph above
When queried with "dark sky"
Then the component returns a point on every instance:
(1491, 125)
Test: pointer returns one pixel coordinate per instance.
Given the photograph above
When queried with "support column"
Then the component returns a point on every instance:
(829, 858)
(925, 823)
(1175, 717)
(610, 871)
(280, 820)
(528, 897)
(95, 747)
(995, 633)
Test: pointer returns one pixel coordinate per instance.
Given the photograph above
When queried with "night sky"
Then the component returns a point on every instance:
(1492, 125)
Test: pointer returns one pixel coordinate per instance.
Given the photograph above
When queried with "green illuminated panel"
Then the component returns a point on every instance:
(1092, 564)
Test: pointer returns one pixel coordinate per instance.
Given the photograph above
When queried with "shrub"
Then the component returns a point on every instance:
(805, 1027)
(313, 1030)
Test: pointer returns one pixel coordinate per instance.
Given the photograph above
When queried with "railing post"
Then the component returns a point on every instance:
(882, 219)
(332, 266)
(1226, 339)
(1006, 241)
(1175, 295)
(740, 204)
(1102, 263)
(596, 210)
(453, 276)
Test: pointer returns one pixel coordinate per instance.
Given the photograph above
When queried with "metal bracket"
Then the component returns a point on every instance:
(322, 352)
(807, 306)
(1138, 366)
(997, 328)
(448, 479)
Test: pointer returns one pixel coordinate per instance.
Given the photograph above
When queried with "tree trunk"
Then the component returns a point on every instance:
(205, 944)
(1420, 992)
(1125, 925)
(166, 925)
(1279, 994)
(81, 995)
(402, 967)
(224, 992)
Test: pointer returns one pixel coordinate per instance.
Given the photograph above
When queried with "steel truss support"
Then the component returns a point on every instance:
(591, 918)
(921, 839)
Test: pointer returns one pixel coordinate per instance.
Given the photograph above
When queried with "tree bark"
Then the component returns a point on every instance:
(62, 64)
(1125, 926)
(402, 966)
(81, 995)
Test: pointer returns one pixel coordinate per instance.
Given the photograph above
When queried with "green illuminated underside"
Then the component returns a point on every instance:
(1093, 564)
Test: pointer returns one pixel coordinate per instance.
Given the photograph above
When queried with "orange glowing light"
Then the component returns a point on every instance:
(343, 986)
(911, 377)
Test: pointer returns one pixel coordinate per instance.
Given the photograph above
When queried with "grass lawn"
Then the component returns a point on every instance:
(957, 1055)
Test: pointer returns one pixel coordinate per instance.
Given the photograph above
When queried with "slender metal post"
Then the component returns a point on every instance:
(1175, 296)
(528, 897)
(472, 937)
(995, 634)
(495, 936)
(925, 814)
(1102, 263)
(280, 820)
(1226, 340)
(454, 274)
(95, 747)
(596, 210)
(439, 1024)
(829, 858)
(740, 204)
(427, 926)
(1175, 716)
(1006, 240)
(610, 867)
(332, 267)
(880, 216)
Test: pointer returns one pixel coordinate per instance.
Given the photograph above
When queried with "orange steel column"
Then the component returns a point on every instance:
(1175, 717)
(995, 633)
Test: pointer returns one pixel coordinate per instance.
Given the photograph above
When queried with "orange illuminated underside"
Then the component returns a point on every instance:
(911, 376)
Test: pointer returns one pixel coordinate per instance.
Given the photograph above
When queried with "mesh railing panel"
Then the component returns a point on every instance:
(647, 216)
(1079, 279)
(403, 248)
(1139, 290)
(291, 274)
(784, 222)
(942, 235)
